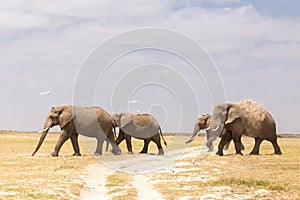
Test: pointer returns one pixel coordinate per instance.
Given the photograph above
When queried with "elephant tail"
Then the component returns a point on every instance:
(160, 132)
(107, 145)
(114, 133)
(107, 140)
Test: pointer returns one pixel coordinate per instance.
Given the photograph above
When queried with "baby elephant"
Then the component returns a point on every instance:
(202, 123)
(140, 126)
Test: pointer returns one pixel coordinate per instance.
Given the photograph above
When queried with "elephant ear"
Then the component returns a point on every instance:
(125, 119)
(66, 115)
(234, 112)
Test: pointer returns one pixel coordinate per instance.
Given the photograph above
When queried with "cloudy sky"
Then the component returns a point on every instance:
(255, 46)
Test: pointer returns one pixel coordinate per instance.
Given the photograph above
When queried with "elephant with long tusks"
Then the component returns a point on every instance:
(73, 120)
(232, 120)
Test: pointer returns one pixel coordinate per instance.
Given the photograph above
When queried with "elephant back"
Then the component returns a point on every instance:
(142, 119)
(90, 121)
(142, 126)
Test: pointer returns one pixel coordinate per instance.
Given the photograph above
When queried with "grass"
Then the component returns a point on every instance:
(279, 175)
(121, 186)
(44, 177)
(238, 182)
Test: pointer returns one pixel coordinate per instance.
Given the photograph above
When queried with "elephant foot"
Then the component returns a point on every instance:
(142, 152)
(210, 149)
(76, 154)
(116, 152)
(130, 152)
(254, 153)
(54, 154)
(278, 153)
(220, 153)
(160, 152)
(239, 153)
(97, 154)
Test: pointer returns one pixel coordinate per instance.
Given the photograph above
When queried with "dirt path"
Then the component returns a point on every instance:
(95, 182)
(141, 168)
(144, 186)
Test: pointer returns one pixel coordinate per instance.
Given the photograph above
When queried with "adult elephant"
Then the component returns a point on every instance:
(140, 126)
(74, 120)
(232, 120)
(202, 123)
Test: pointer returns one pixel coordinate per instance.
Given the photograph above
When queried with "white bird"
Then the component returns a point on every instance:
(133, 101)
(45, 93)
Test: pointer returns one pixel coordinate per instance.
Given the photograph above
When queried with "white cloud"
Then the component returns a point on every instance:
(53, 37)
(223, 1)
(21, 20)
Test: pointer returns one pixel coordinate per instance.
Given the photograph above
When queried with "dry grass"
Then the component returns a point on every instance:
(42, 176)
(120, 186)
(265, 176)
(277, 176)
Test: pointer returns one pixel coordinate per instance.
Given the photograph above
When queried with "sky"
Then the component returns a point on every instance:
(253, 45)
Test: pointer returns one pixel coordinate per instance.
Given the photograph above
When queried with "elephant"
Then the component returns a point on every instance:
(232, 120)
(202, 123)
(140, 126)
(74, 120)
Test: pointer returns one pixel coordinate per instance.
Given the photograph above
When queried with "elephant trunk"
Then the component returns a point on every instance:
(195, 133)
(43, 136)
(216, 125)
(216, 122)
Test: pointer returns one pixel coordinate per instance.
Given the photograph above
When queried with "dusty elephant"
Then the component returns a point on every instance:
(232, 120)
(74, 120)
(202, 123)
(140, 126)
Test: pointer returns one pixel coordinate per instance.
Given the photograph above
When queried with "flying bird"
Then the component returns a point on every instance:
(133, 101)
(45, 93)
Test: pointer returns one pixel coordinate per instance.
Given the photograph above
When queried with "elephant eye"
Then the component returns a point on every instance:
(53, 116)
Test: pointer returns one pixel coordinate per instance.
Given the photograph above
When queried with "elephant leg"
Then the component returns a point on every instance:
(158, 144)
(255, 150)
(62, 139)
(209, 142)
(226, 147)
(110, 137)
(107, 145)
(242, 146)
(121, 137)
(238, 144)
(98, 151)
(128, 144)
(146, 144)
(276, 147)
(74, 140)
(226, 137)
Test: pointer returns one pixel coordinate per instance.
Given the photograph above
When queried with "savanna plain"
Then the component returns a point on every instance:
(191, 176)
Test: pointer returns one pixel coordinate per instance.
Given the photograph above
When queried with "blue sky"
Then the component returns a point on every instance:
(254, 44)
(277, 8)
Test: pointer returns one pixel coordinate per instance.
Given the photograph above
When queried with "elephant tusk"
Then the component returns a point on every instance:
(210, 128)
(45, 129)
(216, 128)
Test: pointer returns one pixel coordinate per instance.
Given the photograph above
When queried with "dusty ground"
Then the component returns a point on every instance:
(184, 172)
